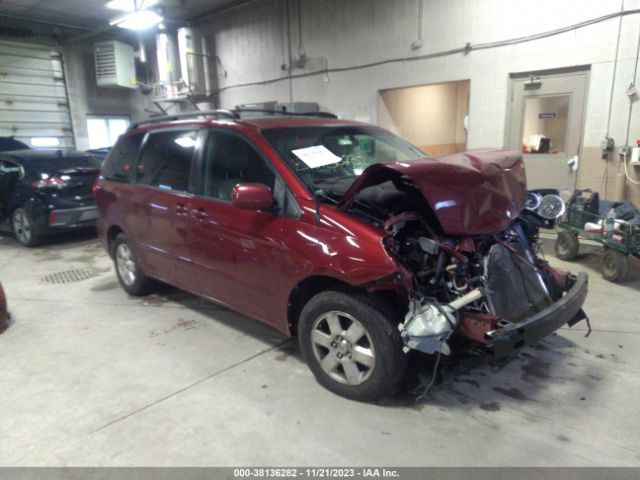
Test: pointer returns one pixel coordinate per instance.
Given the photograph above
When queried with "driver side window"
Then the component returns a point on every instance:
(230, 160)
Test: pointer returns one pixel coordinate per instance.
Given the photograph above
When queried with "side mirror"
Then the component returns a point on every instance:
(252, 196)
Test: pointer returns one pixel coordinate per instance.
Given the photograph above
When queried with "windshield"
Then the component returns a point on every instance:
(8, 144)
(331, 158)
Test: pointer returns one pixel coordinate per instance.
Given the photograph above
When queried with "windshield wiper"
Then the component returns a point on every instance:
(321, 194)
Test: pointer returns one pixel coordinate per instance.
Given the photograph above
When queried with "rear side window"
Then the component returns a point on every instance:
(122, 157)
(166, 160)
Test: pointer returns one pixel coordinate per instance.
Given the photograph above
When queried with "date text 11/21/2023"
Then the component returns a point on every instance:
(312, 473)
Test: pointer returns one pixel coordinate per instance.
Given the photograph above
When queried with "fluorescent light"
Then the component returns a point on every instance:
(139, 20)
(45, 142)
(130, 5)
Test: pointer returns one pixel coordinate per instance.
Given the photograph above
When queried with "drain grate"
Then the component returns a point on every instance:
(70, 276)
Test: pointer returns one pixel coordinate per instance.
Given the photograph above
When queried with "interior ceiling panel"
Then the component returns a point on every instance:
(90, 14)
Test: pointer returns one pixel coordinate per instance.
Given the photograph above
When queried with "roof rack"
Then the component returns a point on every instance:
(219, 113)
(229, 114)
(283, 112)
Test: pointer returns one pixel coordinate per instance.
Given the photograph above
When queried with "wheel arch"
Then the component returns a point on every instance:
(312, 285)
(112, 232)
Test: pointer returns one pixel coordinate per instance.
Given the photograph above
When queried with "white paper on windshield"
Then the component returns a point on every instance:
(316, 156)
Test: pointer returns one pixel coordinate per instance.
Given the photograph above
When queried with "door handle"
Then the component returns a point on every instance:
(199, 213)
(181, 209)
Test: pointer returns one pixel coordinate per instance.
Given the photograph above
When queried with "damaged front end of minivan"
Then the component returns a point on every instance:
(464, 232)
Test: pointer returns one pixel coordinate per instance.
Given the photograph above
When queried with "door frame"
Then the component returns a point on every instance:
(555, 72)
(580, 121)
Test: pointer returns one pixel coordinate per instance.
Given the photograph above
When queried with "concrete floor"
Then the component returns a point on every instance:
(90, 376)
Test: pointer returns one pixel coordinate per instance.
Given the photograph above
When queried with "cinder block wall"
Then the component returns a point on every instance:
(251, 43)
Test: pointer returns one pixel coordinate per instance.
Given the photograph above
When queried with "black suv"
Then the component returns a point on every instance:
(45, 192)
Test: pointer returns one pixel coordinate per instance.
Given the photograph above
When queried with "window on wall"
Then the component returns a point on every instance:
(104, 131)
(545, 124)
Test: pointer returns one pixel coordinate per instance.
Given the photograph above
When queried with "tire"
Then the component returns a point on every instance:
(614, 265)
(567, 246)
(22, 226)
(131, 277)
(352, 345)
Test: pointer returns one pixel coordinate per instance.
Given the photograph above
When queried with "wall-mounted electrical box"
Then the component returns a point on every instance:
(299, 107)
(115, 64)
(291, 107)
(635, 155)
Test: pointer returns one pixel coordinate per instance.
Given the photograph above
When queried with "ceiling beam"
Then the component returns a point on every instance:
(43, 22)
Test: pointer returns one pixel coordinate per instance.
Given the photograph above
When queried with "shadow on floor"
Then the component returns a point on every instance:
(58, 241)
(461, 380)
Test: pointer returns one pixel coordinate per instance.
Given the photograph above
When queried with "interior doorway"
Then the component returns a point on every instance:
(431, 117)
(545, 122)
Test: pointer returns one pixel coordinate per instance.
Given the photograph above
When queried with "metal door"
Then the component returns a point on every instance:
(33, 97)
(545, 122)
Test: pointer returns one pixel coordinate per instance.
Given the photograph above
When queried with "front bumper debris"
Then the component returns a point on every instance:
(504, 341)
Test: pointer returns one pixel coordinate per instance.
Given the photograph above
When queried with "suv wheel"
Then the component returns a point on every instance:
(131, 277)
(352, 345)
(23, 228)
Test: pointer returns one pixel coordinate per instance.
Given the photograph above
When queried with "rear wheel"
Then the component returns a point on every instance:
(351, 345)
(130, 275)
(614, 265)
(567, 246)
(23, 228)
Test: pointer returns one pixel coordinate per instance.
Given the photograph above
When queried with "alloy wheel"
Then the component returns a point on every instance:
(125, 264)
(343, 348)
(22, 227)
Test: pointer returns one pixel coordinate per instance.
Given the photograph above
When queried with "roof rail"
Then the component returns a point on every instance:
(230, 114)
(219, 113)
(282, 112)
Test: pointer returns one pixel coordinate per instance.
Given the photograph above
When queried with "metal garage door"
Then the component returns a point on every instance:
(33, 97)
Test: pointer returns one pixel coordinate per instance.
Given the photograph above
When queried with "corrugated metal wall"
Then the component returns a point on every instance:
(33, 98)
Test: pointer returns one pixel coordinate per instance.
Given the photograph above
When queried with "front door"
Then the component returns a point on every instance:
(545, 122)
(160, 205)
(236, 252)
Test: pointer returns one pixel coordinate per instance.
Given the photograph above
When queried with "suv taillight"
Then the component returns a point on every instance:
(51, 182)
(97, 185)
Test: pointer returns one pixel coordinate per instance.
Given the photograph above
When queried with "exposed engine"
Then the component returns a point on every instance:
(473, 286)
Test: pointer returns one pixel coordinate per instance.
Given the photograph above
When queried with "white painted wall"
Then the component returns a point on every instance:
(251, 43)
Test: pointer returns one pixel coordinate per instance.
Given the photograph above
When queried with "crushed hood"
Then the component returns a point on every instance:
(471, 193)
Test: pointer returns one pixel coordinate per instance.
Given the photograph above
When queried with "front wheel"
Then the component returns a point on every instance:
(352, 345)
(23, 228)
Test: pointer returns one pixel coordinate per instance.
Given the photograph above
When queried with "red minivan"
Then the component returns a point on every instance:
(340, 233)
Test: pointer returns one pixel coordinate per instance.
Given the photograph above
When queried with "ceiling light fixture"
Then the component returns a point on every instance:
(138, 20)
(130, 5)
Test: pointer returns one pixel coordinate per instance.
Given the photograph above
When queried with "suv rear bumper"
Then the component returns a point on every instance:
(80, 217)
(503, 342)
